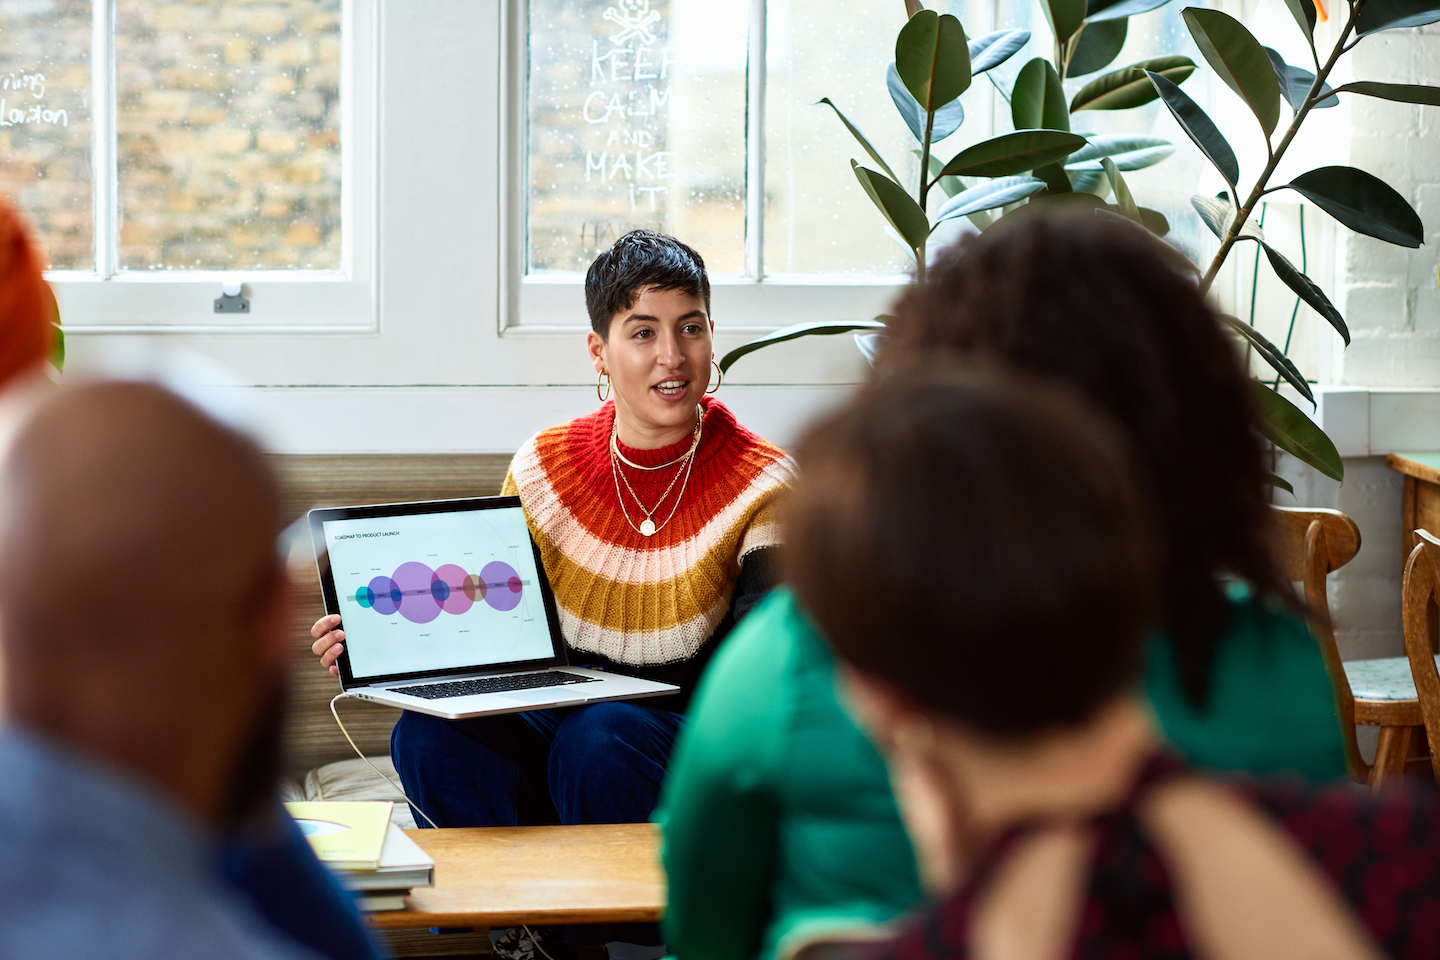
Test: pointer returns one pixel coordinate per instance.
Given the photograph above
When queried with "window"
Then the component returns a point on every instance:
(160, 148)
(696, 118)
(646, 113)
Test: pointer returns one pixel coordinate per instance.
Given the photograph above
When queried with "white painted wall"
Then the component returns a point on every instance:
(1389, 298)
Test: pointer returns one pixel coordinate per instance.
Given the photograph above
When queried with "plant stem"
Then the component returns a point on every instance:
(1243, 214)
(924, 192)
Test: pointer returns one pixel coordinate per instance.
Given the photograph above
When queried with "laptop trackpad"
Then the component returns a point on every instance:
(541, 695)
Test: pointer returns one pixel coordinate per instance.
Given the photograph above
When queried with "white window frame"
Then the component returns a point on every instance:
(746, 306)
(110, 300)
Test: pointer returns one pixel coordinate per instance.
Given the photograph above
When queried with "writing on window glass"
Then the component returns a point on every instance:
(626, 109)
(21, 96)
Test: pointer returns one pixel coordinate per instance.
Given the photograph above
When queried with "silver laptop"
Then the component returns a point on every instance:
(446, 611)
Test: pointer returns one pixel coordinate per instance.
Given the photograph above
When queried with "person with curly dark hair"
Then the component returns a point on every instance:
(999, 671)
(1233, 675)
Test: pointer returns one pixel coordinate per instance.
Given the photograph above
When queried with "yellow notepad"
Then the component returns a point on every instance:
(345, 834)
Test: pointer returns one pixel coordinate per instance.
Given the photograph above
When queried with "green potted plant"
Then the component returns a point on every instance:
(1044, 161)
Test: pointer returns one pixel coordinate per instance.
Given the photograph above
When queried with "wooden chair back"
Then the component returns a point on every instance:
(1312, 544)
(1421, 585)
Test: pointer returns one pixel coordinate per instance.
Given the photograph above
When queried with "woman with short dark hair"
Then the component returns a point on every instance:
(655, 521)
(999, 669)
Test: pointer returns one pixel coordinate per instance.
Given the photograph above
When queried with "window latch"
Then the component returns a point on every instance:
(230, 300)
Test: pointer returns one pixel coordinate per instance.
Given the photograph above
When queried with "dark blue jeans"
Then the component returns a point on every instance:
(601, 763)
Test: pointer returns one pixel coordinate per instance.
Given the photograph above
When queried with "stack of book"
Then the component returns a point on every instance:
(371, 856)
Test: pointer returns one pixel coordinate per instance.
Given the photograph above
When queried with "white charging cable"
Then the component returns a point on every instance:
(378, 772)
(381, 774)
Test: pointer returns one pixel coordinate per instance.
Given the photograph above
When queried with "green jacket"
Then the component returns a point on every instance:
(778, 818)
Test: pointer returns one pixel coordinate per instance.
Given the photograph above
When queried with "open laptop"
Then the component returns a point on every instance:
(446, 611)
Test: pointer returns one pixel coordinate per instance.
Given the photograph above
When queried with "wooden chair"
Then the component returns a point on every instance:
(1312, 544)
(1421, 586)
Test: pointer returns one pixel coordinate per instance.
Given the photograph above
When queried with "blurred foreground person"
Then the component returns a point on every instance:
(27, 307)
(130, 523)
(981, 555)
(779, 820)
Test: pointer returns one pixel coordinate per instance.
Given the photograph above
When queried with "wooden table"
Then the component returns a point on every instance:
(1402, 738)
(504, 876)
(1421, 504)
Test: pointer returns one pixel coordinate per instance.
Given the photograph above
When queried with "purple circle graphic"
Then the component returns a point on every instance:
(449, 580)
(387, 595)
(503, 586)
(418, 604)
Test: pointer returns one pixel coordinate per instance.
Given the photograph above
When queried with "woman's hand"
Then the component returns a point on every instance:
(327, 645)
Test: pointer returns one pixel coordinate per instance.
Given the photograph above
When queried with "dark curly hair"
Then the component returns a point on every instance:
(1037, 581)
(1104, 307)
(640, 259)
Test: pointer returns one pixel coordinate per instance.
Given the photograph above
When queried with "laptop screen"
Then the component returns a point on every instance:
(428, 592)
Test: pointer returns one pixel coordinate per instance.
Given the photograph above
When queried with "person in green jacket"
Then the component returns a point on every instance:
(778, 819)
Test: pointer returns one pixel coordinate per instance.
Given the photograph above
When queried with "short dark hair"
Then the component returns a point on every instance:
(1102, 306)
(980, 542)
(640, 259)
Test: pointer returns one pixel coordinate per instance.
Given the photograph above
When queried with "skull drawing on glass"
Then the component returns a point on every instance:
(635, 19)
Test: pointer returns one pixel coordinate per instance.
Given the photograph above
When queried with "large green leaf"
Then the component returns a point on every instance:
(1218, 213)
(951, 185)
(1295, 83)
(1087, 180)
(1123, 199)
(993, 49)
(1215, 212)
(1306, 290)
(1286, 426)
(1065, 17)
(947, 119)
(1199, 127)
(1037, 101)
(933, 58)
(1129, 86)
(1130, 151)
(988, 196)
(1013, 153)
(1399, 92)
(1101, 10)
(1057, 181)
(1304, 13)
(1363, 202)
(1097, 46)
(864, 141)
(1277, 481)
(1376, 15)
(1239, 60)
(1272, 354)
(1155, 222)
(822, 328)
(897, 206)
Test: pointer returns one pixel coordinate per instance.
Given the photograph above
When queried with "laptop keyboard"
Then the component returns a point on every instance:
(517, 681)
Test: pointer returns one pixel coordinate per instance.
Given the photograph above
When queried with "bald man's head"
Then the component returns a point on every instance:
(134, 530)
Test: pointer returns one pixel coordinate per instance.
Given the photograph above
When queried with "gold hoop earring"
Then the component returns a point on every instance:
(719, 377)
(602, 375)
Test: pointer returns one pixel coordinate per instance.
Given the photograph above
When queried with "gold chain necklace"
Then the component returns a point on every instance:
(615, 444)
(647, 527)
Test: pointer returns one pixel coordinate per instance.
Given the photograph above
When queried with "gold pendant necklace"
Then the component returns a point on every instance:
(647, 527)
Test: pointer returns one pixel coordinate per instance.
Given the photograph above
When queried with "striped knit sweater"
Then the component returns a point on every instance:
(640, 601)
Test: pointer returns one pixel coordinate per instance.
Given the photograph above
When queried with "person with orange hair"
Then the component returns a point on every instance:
(27, 306)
